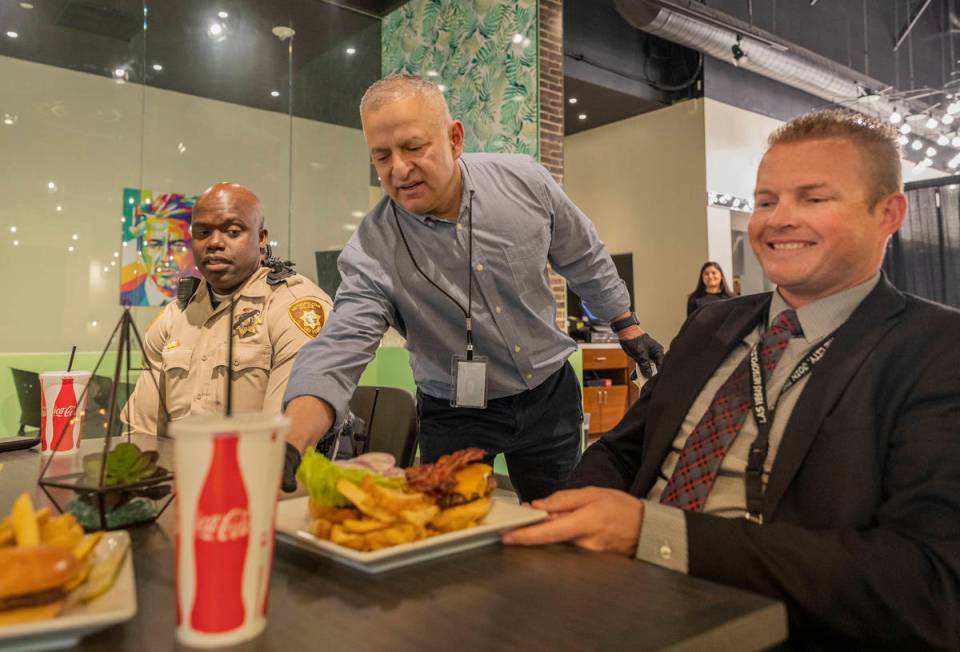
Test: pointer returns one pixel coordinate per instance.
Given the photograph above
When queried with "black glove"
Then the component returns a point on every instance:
(291, 463)
(644, 350)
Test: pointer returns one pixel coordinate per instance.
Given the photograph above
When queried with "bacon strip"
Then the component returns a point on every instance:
(440, 478)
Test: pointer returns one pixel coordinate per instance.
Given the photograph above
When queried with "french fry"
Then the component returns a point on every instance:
(391, 499)
(7, 535)
(24, 521)
(364, 502)
(62, 531)
(340, 536)
(83, 549)
(420, 517)
(320, 528)
(392, 536)
(362, 526)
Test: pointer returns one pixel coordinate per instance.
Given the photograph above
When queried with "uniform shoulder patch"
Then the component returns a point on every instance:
(309, 316)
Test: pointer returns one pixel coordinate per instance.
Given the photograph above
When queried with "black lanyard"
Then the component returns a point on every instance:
(468, 311)
(763, 416)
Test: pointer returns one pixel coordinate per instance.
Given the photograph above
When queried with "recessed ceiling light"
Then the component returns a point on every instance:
(16, 243)
(70, 248)
(157, 67)
(357, 213)
(349, 227)
(26, 5)
(59, 208)
(52, 186)
(12, 35)
(223, 14)
(9, 119)
(275, 93)
(75, 236)
(13, 229)
(106, 269)
(351, 50)
(582, 116)
(119, 73)
(572, 100)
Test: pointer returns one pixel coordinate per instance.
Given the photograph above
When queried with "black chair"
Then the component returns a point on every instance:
(28, 395)
(390, 415)
(98, 405)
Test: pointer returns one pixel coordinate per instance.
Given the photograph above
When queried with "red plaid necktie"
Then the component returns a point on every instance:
(709, 442)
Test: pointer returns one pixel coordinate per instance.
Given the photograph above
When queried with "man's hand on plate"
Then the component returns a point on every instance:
(603, 520)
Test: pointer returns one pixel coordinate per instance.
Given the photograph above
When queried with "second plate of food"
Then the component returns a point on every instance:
(293, 520)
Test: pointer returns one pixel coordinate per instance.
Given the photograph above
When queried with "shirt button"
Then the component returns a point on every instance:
(666, 552)
(198, 396)
(516, 348)
(529, 376)
(236, 363)
(498, 309)
(479, 268)
(204, 358)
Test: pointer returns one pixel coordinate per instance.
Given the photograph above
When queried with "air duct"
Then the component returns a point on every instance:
(724, 37)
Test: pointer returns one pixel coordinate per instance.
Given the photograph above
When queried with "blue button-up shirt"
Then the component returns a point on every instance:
(521, 220)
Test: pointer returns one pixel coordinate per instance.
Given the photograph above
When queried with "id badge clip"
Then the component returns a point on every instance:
(469, 381)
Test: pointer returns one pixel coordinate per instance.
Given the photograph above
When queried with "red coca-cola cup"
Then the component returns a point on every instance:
(62, 410)
(227, 472)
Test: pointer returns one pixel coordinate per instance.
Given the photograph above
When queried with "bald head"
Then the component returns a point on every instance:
(228, 235)
(233, 198)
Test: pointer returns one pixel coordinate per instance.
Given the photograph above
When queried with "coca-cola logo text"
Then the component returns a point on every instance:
(65, 411)
(220, 528)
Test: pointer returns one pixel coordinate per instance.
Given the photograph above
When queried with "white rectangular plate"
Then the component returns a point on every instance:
(293, 519)
(117, 605)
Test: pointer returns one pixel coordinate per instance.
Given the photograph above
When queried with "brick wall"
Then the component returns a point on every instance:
(551, 117)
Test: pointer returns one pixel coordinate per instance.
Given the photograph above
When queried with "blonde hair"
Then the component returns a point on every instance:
(875, 139)
(401, 86)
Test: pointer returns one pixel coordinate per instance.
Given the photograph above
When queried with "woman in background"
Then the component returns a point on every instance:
(711, 286)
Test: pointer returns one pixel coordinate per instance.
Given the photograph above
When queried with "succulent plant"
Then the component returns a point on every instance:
(126, 464)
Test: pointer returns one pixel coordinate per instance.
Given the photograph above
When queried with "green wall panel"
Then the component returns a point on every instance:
(484, 53)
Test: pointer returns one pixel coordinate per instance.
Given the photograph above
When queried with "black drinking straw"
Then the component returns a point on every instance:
(73, 352)
(233, 304)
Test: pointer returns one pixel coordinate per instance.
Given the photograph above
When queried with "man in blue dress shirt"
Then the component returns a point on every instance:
(455, 257)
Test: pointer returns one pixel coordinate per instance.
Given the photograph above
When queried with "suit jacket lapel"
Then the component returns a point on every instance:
(676, 392)
(853, 342)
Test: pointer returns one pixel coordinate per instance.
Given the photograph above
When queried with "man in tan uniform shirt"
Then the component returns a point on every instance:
(186, 347)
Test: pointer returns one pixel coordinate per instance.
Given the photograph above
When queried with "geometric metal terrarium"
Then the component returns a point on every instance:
(121, 485)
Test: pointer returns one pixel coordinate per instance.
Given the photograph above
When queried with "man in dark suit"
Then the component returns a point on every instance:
(827, 413)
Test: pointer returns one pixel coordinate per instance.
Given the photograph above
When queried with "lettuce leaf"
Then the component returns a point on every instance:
(319, 475)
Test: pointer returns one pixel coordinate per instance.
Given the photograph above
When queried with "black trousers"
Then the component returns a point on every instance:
(538, 431)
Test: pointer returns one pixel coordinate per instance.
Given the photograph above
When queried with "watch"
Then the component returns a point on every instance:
(626, 322)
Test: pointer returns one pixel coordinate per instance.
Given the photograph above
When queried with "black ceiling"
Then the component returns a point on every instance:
(615, 70)
(242, 64)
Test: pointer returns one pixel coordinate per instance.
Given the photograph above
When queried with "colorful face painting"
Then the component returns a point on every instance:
(156, 247)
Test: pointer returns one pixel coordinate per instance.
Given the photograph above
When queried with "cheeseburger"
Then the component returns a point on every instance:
(460, 483)
(33, 582)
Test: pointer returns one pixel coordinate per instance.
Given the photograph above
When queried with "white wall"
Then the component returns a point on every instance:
(84, 133)
(643, 183)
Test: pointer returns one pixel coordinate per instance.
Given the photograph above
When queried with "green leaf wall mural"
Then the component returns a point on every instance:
(484, 53)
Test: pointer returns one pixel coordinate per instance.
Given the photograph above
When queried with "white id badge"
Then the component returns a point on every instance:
(469, 382)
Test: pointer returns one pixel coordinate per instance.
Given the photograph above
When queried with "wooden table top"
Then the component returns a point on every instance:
(548, 598)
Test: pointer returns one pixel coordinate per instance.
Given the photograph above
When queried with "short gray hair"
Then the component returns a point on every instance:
(400, 86)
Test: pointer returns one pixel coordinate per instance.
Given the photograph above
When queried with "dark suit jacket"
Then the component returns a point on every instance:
(862, 511)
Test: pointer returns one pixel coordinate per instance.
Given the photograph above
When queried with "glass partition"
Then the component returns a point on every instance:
(117, 115)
